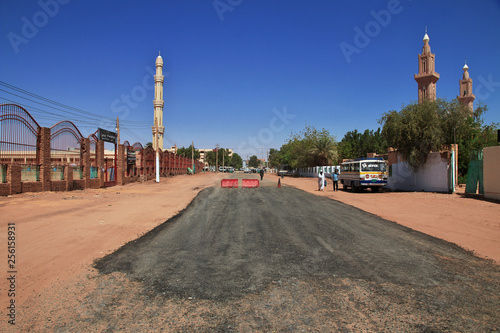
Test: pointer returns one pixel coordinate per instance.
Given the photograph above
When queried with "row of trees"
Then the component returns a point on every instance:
(223, 158)
(306, 148)
(414, 131)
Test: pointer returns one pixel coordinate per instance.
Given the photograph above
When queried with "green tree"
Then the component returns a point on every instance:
(356, 144)
(324, 151)
(223, 157)
(210, 157)
(186, 152)
(309, 147)
(415, 131)
(419, 129)
(253, 161)
(274, 158)
(149, 144)
(235, 161)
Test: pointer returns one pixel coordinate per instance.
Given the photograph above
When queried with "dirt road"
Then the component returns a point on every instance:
(239, 260)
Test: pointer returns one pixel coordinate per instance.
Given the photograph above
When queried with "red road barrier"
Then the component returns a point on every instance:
(250, 183)
(229, 183)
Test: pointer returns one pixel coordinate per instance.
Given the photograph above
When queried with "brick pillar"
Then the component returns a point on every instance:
(14, 178)
(121, 165)
(68, 176)
(45, 161)
(100, 161)
(168, 164)
(85, 163)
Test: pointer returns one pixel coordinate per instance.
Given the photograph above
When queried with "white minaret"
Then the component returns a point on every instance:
(158, 103)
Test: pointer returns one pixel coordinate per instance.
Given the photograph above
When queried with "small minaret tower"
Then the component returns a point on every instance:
(426, 77)
(158, 106)
(466, 96)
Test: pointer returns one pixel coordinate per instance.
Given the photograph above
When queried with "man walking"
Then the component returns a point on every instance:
(321, 181)
(335, 179)
(261, 174)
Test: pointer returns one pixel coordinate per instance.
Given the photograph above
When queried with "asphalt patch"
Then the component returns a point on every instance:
(232, 242)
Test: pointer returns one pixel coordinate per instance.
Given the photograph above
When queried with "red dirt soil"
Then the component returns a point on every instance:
(60, 234)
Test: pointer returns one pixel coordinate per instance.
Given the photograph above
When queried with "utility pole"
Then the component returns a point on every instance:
(217, 159)
(118, 130)
(267, 159)
(223, 170)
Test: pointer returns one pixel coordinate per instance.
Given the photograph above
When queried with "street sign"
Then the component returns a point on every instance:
(107, 136)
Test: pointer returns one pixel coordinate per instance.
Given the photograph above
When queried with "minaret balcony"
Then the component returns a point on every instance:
(432, 77)
(158, 103)
(159, 78)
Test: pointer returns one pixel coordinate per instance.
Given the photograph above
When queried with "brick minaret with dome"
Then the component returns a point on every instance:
(466, 96)
(426, 77)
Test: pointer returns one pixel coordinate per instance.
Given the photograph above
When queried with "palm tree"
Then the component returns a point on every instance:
(324, 151)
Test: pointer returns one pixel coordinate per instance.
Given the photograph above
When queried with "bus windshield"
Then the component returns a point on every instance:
(373, 166)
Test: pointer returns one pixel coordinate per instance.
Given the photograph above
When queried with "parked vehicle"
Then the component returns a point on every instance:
(363, 173)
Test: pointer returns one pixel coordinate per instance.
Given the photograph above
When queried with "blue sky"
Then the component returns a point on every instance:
(240, 73)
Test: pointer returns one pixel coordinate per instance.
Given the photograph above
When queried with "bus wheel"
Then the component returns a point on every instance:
(354, 188)
(375, 189)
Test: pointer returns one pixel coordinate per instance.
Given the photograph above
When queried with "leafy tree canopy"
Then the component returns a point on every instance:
(253, 162)
(309, 147)
(186, 152)
(222, 156)
(356, 144)
(419, 129)
(235, 161)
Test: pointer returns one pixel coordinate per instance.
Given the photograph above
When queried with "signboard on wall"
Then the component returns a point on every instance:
(106, 135)
(130, 157)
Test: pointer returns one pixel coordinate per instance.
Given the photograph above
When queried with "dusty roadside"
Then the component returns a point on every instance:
(468, 222)
(60, 234)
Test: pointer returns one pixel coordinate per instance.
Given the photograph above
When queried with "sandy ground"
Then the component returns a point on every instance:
(59, 235)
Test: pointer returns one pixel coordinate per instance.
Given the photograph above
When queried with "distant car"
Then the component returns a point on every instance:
(247, 170)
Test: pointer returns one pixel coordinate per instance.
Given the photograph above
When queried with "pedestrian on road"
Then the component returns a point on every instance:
(335, 179)
(321, 181)
(261, 174)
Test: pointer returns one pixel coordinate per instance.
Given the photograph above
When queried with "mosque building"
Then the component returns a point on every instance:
(427, 78)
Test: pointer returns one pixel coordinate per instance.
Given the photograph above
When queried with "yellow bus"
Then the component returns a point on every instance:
(363, 173)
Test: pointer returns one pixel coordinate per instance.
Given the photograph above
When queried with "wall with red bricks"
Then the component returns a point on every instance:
(144, 168)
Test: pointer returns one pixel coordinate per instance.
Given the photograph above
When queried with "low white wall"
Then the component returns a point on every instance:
(491, 172)
(313, 171)
(433, 176)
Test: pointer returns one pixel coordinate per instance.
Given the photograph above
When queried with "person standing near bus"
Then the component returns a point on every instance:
(321, 181)
(335, 180)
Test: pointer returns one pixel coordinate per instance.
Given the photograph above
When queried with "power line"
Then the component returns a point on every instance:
(60, 106)
(81, 117)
